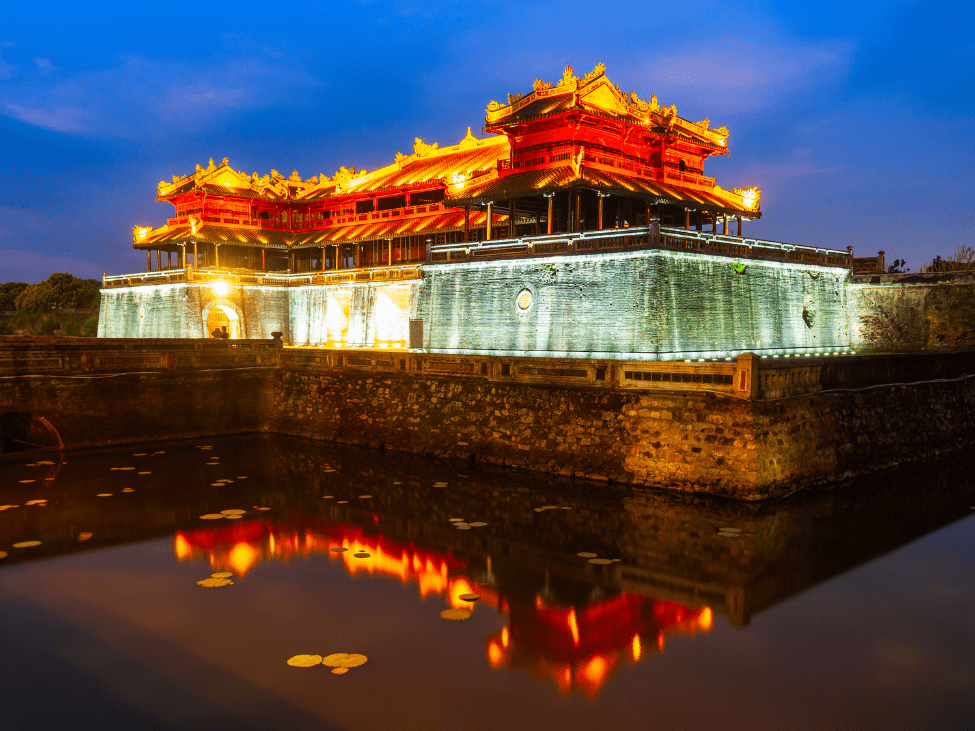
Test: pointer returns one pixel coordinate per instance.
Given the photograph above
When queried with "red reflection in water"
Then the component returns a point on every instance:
(578, 648)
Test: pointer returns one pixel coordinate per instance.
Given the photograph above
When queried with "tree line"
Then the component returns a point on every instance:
(41, 307)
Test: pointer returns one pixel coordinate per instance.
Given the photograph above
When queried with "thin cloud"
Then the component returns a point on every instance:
(143, 96)
(799, 162)
(44, 66)
(62, 119)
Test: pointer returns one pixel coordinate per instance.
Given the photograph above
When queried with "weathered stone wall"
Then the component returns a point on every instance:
(140, 407)
(649, 302)
(180, 310)
(898, 313)
(690, 442)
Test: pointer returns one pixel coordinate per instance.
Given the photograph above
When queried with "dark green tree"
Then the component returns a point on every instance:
(61, 291)
(9, 291)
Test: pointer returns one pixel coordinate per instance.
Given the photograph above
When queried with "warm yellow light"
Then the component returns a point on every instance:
(637, 650)
(221, 288)
(142, 231)
(705, 619)
(183, 548)
(241, 557)
(573, 627)
(495, 654)
(504, 636)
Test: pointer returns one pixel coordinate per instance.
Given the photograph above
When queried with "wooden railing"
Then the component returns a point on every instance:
(568, 153)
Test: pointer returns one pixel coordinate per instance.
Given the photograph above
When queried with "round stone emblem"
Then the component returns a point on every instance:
(524, 300)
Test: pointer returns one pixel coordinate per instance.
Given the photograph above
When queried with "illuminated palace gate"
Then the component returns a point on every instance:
(583, 225)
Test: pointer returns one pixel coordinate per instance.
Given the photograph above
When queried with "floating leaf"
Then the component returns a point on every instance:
(305, 661)
(470, 597)
(462, 526)
(213, 583)
(27, 544)
(362, 554)
(539, 510)
(340, 549)
(126, 469)
(730, 530)
(139, 454)
(3, 554)
(566, 507)
(211, 516)
(550, 507)
(400, 483)
(104, 494)
(7, 507)
(24, 482)
(327, 497)
(601, 560)
(344, 660)
(36, 502)
(587, 554)
(455, 614)
(341, 502)
(478, 524)
(145, 473)
(233, 517)
(233, 512)
(84, 536)
(456, 520)
(127, 489)
(364, 497)
(258, 507)
(339, 671)
(241, 477)
(222, 575)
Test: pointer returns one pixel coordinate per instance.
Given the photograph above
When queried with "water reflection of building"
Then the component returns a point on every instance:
(578, 647)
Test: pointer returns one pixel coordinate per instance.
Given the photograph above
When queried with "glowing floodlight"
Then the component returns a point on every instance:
(221, 288)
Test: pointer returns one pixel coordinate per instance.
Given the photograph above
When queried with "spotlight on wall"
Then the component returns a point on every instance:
(221, 288)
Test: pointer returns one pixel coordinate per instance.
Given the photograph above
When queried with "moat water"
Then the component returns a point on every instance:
(851, 608)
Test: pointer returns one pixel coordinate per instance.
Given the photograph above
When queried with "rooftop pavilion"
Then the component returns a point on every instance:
(572, 159)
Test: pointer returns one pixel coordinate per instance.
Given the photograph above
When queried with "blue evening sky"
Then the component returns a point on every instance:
(856, 119)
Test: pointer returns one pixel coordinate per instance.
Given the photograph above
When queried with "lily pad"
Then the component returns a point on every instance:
(339, 671)
(456, 520)
(222, 575)
(344, 660)
(478, 524)
(27, 544)
(3, 554)
(211, 516)
(362, 554)
(470, 597)
(601, 561)
(104, 494)
(365, 497)
(340, 549)
(214, 583)
(587, 554)
(84, 536)
(233, 512)
(305, 661)
(456, 615)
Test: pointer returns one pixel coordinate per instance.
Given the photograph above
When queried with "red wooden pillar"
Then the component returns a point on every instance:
(158, 258)
(467, 223)
(489, 214)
